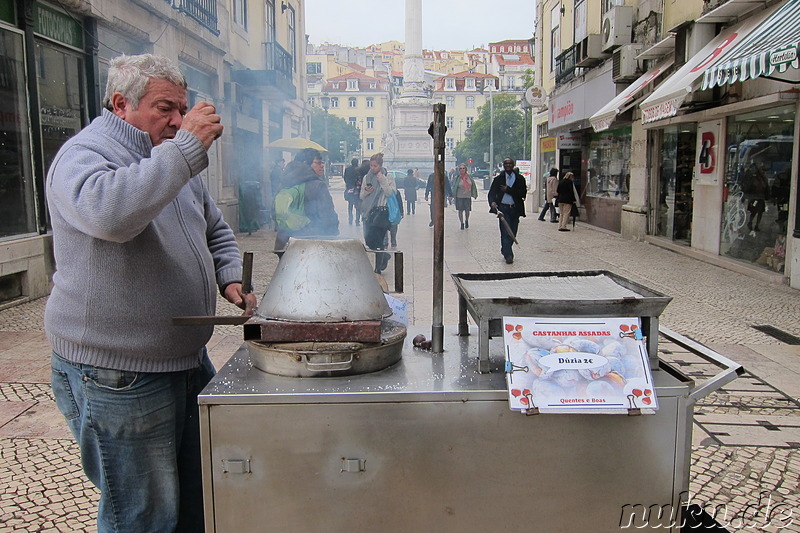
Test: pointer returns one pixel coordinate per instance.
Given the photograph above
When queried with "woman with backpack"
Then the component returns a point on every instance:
(304, 194)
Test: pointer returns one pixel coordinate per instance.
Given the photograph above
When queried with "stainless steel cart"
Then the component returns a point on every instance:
(430, 444)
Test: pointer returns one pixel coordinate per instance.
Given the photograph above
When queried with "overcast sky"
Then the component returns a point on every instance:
(446, 24)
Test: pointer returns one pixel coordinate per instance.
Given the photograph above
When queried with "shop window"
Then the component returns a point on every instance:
(60, 79)
(16, 178)
(675, 198)
(755, 209)
(608, 170)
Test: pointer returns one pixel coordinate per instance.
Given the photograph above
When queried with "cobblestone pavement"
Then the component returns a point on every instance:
(745, 461)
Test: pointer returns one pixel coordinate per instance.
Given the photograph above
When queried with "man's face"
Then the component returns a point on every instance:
(160, 112)
(319, 167)
(508, 166)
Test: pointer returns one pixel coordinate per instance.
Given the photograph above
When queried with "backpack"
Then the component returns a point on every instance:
(290, 208)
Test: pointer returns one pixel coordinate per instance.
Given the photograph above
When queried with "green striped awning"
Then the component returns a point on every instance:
(773, 46)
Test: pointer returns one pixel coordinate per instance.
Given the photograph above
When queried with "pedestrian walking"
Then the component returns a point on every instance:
(448, 192)
(138, 240)
(351, 192)
(464, 190)
(376, 187)
(410, 188)
(566, 198)
(507, 197)
(551, 191)
(305, 175)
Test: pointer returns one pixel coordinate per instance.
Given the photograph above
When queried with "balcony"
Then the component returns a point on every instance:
(567, 64)
(274, 82)
(203, 11)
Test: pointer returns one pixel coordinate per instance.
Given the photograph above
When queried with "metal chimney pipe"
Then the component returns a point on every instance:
(437, 131)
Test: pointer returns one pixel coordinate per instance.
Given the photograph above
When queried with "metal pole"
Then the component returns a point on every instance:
(437, 131)
(491, 129)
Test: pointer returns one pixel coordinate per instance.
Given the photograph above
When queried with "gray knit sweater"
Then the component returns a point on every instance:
(137, 241)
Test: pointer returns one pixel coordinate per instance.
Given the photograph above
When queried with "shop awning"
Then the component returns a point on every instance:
(669, 96)
(773, 46)
(604, 117)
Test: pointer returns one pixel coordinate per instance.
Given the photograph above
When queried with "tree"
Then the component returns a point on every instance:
(338, 130)
(508, 124)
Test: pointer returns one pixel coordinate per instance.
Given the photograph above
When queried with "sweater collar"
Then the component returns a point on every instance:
(129, 135)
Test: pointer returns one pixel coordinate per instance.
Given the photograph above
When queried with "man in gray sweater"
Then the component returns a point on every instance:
(137, 241)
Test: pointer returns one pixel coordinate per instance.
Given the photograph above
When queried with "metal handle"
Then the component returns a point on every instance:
(328, 367)
(731, 369)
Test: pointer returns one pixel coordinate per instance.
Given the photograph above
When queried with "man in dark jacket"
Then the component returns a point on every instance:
(351, 192)
(318, 203)
(507, 195)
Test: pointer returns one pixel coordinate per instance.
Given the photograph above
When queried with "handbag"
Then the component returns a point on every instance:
(395, 213)
(378, 217)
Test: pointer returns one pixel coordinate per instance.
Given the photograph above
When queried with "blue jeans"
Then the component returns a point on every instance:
(139, 437)
(511, 216)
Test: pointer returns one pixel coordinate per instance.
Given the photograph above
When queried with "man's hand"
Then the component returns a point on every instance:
(493, 208)
(248, 302)
(202, 121)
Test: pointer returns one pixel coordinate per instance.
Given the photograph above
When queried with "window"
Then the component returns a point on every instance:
(16, 191)
(510, 80)
(448, 121)
(470, 102)
(580, 20)
(470, 84)
(240, 12)
(352, 121)
(314, 68)
(555, 36)
(470, 120)
(370, 101)
(759, 157)
(334, 85)
(373, 85)
(370, 143)
(334, 101)
(292, 27)
(450, 101)
(449, 83)
(450, 143)
(370, 123)
(270, 21)
(352, 84)
(351, 102)
(312, 101)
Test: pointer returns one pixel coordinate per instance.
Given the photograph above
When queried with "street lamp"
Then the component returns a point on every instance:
(325, 99)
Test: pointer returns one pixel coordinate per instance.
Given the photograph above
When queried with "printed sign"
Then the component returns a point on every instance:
(578, 365)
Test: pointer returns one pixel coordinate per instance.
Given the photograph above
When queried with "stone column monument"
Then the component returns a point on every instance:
(408, 144)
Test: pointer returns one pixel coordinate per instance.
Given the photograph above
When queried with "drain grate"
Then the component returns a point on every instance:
(782, 336)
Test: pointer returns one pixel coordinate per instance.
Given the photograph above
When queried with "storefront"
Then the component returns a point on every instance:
(43, 102)
(725, 176)
(608, 177)
(584, 154)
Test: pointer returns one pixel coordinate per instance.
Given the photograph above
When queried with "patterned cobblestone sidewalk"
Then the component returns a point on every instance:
(746, 435)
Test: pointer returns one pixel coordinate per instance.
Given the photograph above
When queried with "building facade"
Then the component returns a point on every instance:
(680, 120)
(242, 56)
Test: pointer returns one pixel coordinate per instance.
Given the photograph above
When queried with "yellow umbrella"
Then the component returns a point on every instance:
(295, 143)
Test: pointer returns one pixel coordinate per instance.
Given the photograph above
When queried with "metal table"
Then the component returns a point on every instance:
(587, 293)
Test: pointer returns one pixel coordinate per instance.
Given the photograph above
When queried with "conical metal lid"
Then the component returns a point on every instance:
(324, 281)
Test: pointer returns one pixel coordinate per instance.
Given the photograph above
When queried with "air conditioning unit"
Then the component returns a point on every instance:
(616, 28)
(589, 52)
(625, 68)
